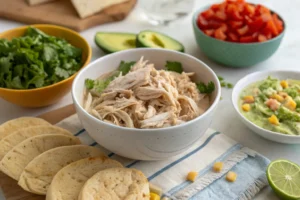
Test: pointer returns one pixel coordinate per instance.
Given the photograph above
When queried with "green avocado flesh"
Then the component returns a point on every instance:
(154, 39)
(111, 42)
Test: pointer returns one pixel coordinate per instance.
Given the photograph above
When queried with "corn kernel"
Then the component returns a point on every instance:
(154, 196)
(290, 103)
(249, 99)
(277, 97)
(155, 189)
(284, 84)
(246, 107)
(231, 176)
(274, 120)
(218, 166)
(192, 176)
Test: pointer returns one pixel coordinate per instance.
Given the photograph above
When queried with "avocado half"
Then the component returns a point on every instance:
(111, 42)
(153, 39)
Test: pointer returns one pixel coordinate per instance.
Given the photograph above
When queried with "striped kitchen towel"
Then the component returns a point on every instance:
(170, 175)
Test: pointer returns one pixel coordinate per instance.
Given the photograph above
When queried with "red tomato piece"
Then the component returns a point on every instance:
(219, 34)
(220, 15)
(247, 39)
(266, 17)
(233, 37)
(208, 14)
(233, 13)
(272, 28)
(235, 24)
(249, 9)
(224, 27)
(202, 22)
(257, 24)
(215, 7)
(262, 38)
(248, 20)
(243, 30)
(214, 24)
(278, 23)
(260, 9)
(209, 32)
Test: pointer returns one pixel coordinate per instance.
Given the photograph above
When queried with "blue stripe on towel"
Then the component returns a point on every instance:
(205, 170)
(183, 157)
(80, 132)
(133, 163)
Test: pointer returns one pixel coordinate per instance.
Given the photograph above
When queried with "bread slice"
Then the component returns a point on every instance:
(14, 162)
(38, 174)
(22, 122)
(68, 182)
(90, 7)
(10, 141)
(116, 184)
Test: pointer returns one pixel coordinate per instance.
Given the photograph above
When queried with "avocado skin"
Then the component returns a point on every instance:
(139, 43)
(106, 50)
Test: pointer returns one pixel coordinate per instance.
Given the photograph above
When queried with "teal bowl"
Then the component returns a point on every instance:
(235, 54)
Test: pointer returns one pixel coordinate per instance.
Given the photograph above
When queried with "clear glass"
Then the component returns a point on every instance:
(161, 12)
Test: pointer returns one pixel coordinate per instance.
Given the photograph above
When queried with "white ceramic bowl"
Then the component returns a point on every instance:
(254, 77)
(145, 144)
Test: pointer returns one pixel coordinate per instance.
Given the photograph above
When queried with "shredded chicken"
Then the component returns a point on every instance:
(148, 98)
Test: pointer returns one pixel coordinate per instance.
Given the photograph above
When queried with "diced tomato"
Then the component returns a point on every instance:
(222, 6)
(219, 34)
(278, 22)
(260, 9)
(233, 13)
(272, 28)
(262, 38)
(266, 17)
(243, 30)
(202, 22)
(240, 6)
(209, 32)
(214, 24)
(248, 20)
(220, 15)
(208, 14)
(256, 25)
(224, 27)
(249, 9)
(233, 37)
(215, 7)
(247, 39)
(235, 24)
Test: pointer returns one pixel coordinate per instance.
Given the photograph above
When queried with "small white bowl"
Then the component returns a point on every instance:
(145, 144)
(258, 76)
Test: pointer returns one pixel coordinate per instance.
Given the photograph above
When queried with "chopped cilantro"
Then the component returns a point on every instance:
(203, 88)
(125, 67)
(174, 66)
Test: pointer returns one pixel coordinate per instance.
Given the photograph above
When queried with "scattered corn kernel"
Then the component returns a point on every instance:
(154, 196)
(274, 120)
(284, 84)
(155, 189)
(218, 166)
(290, 103)
(246, 107)
(249, 99)
(192, 176)
(283, 94)
(277, 97)
(231, 176)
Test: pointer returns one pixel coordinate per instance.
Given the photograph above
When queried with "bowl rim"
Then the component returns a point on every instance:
(198, 11)
(209, 110)
(86, 62)
(235, 101)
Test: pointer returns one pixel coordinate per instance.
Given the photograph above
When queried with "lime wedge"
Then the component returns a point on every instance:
(284, 179)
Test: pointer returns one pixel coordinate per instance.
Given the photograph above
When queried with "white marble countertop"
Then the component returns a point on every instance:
(226, 119)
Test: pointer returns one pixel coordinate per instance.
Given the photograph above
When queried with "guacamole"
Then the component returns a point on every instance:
(273, 104)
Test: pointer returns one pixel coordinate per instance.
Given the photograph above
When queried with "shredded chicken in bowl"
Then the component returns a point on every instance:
(145, 97)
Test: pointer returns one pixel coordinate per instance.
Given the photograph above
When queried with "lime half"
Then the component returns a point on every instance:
(284, 178)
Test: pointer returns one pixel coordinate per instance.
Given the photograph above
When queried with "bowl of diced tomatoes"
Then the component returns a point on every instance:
(238, 34)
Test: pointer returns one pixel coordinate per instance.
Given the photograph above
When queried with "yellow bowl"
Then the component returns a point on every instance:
(48, 95)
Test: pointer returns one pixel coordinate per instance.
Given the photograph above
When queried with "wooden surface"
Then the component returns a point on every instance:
(61, 12)
(9, 186)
